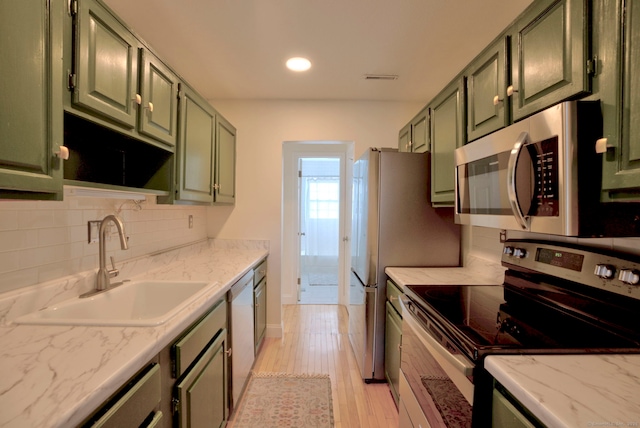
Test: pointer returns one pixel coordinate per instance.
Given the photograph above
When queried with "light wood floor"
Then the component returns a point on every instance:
(315, 340)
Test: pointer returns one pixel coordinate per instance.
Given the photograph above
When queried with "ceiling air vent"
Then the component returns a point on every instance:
(380, 77)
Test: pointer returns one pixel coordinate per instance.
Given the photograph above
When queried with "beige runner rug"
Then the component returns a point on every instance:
(274, 400)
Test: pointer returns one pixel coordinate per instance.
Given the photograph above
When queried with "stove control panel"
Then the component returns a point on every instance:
(610, 271)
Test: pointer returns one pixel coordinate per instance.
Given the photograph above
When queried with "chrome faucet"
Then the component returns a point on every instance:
(103, 279)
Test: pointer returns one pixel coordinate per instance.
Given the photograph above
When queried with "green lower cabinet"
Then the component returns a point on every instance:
(447, 133)
(550, 55)
(31, 109)
(392, 349)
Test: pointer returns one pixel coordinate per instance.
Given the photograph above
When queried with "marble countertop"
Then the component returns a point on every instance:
(476, 272)
(55, 376)
(573, 390)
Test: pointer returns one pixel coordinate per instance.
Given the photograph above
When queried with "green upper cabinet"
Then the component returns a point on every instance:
(225, 165)
(414, 136)
(31, 99)
(620, 93)
(196, 148)
(420, 132)
(158, 116)
(487, 103)
(117, 82)
(447, 134)
(404, 138)
(106, 64)
(550, 55)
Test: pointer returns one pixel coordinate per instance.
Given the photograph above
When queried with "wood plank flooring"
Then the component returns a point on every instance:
(315, 340)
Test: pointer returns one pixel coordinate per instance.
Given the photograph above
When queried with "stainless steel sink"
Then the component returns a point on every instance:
(138, 303)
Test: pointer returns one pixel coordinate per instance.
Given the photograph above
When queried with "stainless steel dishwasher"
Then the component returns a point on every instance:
(242, 334)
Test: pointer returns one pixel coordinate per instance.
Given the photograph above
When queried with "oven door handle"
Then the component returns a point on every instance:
(459, 362)
(512, 191)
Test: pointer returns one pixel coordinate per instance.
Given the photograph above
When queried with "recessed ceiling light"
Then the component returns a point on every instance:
(298, 64)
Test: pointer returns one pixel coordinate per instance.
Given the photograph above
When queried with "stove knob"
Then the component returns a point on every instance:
(629, 276)
(604, 271)
(519, 253)
(508, 251)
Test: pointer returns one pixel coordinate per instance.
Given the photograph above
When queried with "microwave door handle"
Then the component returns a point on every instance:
(512, 193)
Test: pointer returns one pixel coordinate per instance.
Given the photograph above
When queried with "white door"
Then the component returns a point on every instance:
(294, 243)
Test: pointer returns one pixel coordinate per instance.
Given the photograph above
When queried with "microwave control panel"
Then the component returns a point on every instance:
(544, 155)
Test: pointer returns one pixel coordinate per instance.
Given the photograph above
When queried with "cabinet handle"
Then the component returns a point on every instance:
(229, 352)
(602, 145)
(511, 91)
(137, 99)
(399, 347)
(216, 187)
(150, 107)
(496, 100)
(393, 298)
(62, 152)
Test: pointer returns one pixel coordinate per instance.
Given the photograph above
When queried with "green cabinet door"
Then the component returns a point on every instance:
(550, 52)
(196, 153)
(447, 134)
(202, 394)
(392, 349)
(225, 173)
(106, 67)
(260, 312)
(404, 138)
(158, 116)
(420, 132)
(30, 99)
(621, 102)
(487, 104)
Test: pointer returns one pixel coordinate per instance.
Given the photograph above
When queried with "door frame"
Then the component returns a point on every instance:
(292, 151)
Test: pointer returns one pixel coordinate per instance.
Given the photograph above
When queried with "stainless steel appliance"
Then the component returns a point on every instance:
(393, 224)
(541, 174)
(556, 298)
(242, 335)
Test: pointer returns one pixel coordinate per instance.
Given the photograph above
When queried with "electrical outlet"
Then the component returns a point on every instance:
(93, 229)
(190, 221)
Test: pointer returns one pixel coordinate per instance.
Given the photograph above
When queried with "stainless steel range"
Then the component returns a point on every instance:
(556, 298)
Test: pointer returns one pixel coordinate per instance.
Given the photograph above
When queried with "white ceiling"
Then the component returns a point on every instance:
(236, 49)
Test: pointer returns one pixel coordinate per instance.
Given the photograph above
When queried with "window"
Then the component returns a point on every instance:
(324, 194)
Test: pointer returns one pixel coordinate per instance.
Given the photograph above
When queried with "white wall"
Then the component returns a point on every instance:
(262, 128)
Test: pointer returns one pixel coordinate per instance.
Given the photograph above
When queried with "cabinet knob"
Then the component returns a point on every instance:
(392, 298)
(150, 107)
(602, 145)
(496, 100)
(62, 152)
(229, 352)
(137, 99)
(511, 91)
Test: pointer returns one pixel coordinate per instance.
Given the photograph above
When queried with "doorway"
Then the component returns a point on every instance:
(319, 234)
(316, 202)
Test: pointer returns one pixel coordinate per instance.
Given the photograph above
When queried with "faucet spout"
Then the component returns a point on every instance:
(103, 279)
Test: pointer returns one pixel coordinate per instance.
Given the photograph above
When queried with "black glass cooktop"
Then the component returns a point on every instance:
(524, 315)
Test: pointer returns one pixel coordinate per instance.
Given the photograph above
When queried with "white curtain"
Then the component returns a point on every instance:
(320, 208)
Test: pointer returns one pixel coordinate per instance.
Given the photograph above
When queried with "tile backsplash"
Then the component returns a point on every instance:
(485, 242)
(45, 240)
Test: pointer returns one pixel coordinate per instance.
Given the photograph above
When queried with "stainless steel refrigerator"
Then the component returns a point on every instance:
(393, 224)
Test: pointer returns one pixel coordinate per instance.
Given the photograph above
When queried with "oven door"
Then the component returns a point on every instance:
(436, 383)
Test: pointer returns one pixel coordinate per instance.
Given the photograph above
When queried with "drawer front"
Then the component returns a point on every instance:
(260, 272)
(137, 403)
(186, 349)
(393, 296)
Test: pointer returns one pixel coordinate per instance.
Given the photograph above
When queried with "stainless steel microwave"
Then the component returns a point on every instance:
(541, 174)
